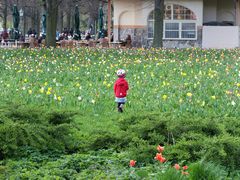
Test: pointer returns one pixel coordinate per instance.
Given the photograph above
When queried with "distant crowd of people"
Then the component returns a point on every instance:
(67, 34)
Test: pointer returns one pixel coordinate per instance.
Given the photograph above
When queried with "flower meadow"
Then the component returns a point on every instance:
(58, 118)
(198, 81)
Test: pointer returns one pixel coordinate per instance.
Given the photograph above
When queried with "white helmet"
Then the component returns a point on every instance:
(121, 72)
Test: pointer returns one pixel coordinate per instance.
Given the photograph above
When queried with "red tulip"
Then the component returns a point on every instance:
(160, 158)
(160, 148)
(185, 167)
(132, 163)
(177, 167)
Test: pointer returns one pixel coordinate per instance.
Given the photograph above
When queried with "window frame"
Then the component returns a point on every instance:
(152, 20)
(180, 22)
(172, 20)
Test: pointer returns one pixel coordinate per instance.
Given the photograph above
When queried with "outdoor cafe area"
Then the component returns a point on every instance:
(101, 43)
(12, 43)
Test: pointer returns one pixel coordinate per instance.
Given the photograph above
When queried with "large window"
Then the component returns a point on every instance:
(179, 23)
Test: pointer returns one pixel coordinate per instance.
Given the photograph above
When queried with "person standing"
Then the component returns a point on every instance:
(120, 89)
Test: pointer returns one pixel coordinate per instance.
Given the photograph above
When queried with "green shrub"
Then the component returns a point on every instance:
(26, 127)
(104, 140)
(171, 174)
(232, 125)
(206, 170)
(60, 117)
(225, 150)
(205, 126)
(25, 114)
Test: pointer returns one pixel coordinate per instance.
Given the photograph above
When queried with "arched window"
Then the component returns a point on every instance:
(179, 23)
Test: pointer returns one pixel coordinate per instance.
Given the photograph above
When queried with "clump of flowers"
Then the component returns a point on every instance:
(159, 155)
(132, 163)
(177, 166)
(184, 169)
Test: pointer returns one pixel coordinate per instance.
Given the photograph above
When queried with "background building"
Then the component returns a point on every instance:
(188, 23)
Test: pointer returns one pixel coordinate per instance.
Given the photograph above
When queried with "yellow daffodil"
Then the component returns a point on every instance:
(213, 97)
(41, 90)
(183, 74)
(59, 98)
(164, 97)
(189, 94)
(228, 92)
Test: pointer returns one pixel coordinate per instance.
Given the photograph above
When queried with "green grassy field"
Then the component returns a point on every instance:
(59, 120)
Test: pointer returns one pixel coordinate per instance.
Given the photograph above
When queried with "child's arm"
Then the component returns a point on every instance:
(115, 87)
(127, 87)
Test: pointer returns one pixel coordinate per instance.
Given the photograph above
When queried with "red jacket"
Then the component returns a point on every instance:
(120, 88)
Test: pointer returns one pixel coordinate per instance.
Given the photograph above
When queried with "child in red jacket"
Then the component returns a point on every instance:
(120, 89)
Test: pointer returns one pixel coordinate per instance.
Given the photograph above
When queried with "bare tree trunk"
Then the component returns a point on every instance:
(73, 21)
(24, 24)
(38, 22)
(158, 24)
(51, 7)
(68, 25)
(32, 19)
(90, 22)
(60, 24)
(5, 10)
(35, 20)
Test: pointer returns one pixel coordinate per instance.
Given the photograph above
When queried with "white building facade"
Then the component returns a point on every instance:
(187, 23)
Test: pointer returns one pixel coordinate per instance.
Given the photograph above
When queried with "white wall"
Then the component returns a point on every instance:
(124, 12)
(124, 16)
(220, 37)
(143, 10)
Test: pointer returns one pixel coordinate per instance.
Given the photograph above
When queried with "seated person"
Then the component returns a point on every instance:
(88, 37)
(128, 41)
